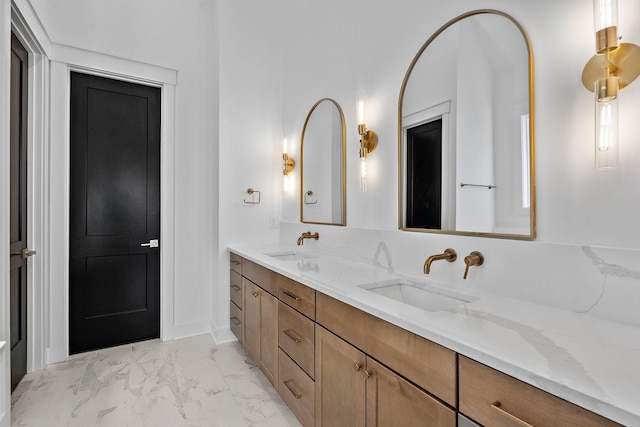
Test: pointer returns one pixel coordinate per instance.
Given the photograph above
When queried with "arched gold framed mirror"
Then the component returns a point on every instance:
(323, 196)
(466, 131)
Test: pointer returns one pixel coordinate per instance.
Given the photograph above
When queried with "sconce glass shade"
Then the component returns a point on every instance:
(285, 183)
(363, 173)
(605, 14)
(288, 165)
(606, 130)
(360, 101)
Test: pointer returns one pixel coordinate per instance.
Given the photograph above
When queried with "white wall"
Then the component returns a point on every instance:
(475, 134)
(587, 248)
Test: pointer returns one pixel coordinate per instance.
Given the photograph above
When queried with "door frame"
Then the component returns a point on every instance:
(68, 59)
(36, 169)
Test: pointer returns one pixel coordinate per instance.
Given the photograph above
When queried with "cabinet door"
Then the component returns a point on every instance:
(340, 382)
(391, 400)
(251, 319)
(268, 335)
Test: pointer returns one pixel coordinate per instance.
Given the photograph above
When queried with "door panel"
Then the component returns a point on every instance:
(115, 207)
(18, 210)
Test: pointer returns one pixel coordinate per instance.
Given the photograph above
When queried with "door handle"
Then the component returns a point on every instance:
(153, 243)
(24, 253)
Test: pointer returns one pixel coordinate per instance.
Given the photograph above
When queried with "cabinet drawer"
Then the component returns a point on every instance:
(296, 336)
(235, 320)
(296, 389)
(496, 399)
(429, 365)
(298, 296)
(261, 276)
(235, 262)
(236, 288)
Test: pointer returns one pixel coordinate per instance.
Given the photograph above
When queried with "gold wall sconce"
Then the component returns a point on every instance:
(288, 165)
(368, 139)
(614, 66)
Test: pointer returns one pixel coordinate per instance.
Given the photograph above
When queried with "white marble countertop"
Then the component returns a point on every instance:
(587, 361)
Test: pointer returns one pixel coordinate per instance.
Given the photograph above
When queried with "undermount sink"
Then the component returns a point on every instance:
(418, 295)
(290, 256)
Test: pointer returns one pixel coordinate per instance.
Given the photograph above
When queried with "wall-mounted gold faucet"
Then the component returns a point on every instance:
(307, 235)
(474, 258)
(449, 254)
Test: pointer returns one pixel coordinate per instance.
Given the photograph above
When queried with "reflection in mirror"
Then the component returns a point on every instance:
(465, 117)
(323, 164)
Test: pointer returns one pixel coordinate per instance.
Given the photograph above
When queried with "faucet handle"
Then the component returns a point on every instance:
(474, 258)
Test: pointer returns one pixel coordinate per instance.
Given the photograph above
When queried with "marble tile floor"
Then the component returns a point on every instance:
(185, 383)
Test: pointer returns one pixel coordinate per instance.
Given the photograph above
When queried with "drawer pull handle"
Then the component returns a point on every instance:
(255, 293)
(235, 262)
(290, 295)
(236, 287)
(291, 389)
(357, 367)
(235, 320)
(367, 373)
(497, 406)
(293, 335)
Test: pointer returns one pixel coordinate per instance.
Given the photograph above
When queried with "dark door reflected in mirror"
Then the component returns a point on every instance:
(424, 171)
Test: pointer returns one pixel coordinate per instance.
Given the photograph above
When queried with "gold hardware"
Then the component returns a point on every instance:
(24, 253)
(474, 258)
(607, 40)
(235, 262)
(367, 374)
(449, 255)
(307, 235)
(236, 287)
(368, 142)
(288, 164)
(293, 335)
(255, 293)
(357, 367)
(252, 191)
(290, 295)
(624, 63)
(306, 198)
(235, 320)
(497, 406)
(291, 389)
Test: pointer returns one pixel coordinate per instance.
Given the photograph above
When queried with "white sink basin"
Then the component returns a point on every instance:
(290, 256)
(418, 295)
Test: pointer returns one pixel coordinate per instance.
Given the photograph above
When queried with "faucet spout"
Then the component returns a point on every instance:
(307, 235)
(449, 255)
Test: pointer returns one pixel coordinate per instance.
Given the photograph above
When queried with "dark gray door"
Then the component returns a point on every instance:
(114, 288)
(18, 209)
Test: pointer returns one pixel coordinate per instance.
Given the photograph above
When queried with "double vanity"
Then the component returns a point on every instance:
(347, 343)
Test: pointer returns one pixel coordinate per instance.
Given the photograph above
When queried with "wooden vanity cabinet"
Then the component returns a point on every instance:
(496, 399)
(340, 382)
(297, 389)
(296, 339)
(336, 365)
(427, 364)
(235, 292)
(353, 389)
(260, 328)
